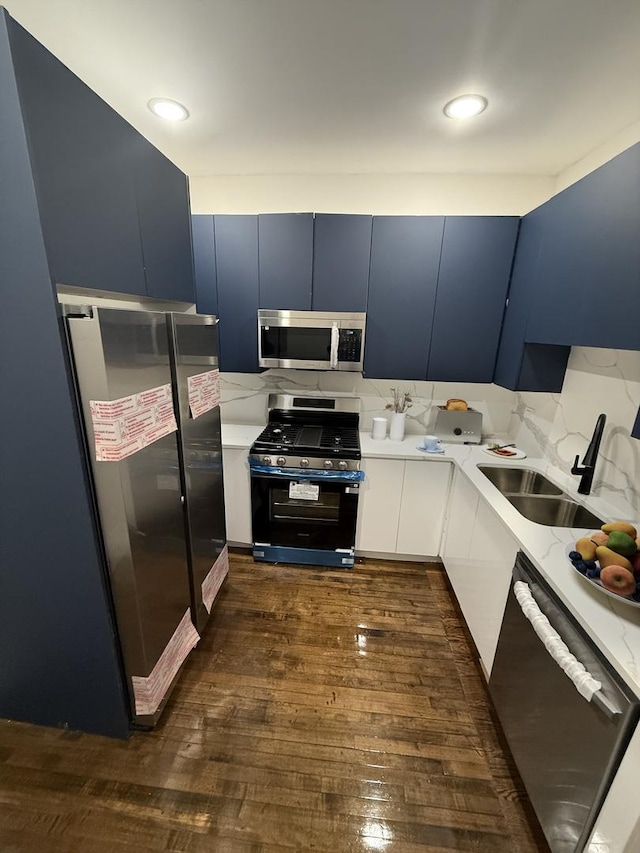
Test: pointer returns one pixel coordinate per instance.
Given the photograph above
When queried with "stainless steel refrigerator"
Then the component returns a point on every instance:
(148, 392)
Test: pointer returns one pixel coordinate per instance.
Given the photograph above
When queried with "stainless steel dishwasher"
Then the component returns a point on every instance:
(566, 746)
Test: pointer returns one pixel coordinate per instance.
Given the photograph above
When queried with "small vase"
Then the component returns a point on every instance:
(396, 430)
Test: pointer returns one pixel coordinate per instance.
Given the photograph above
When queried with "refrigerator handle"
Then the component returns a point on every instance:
(586, 685)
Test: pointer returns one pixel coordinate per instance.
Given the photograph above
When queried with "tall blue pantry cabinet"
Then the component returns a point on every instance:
(86, 201)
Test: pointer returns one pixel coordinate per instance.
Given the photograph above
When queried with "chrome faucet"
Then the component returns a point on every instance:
(590, 457)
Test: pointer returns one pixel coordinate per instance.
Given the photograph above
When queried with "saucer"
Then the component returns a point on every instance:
(424, 449)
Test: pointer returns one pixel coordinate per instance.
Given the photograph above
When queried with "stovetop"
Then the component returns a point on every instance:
(300, 438)
(309, 440)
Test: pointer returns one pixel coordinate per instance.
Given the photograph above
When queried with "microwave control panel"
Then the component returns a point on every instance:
(349, 344)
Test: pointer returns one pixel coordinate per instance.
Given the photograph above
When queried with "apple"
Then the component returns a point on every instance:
(635, 562)
(600, 538)
(618, 579)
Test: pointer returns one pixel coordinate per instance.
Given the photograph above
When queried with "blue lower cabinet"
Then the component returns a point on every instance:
(204, 259)
(236, 241)
(405, 256)
(475, 266)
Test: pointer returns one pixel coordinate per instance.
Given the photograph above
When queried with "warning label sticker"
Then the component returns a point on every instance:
(203, 391)
(122, 427)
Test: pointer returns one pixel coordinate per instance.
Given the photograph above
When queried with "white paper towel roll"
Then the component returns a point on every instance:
(379, 428)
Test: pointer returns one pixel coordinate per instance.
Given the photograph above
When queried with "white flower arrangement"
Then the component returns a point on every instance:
(401, 401)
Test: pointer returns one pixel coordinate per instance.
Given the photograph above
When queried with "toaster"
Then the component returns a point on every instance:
(456, 427)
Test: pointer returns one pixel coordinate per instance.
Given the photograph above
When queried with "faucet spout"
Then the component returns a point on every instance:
(588, 467)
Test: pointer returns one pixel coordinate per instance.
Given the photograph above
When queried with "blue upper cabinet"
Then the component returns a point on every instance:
(285, 260)
(204, 257)
(81, 152)
(405, 256)
(237, 274)
(475, 266)
(165, 225)
(341, 256)
(588, 277)
(521, 366)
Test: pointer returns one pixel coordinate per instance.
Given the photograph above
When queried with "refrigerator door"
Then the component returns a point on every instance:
(123, 379)
(194, 346)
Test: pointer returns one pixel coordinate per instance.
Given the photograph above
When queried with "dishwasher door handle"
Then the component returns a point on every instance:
(586, 685)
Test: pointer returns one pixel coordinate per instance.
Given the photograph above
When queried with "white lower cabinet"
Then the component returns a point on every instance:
(237, 495)
(402, 507)
(478, 554)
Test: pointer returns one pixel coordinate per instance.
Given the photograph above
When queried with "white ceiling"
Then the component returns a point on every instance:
(344, 86)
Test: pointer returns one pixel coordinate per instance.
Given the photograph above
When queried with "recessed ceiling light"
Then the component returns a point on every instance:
(466, 106)
(170, 110)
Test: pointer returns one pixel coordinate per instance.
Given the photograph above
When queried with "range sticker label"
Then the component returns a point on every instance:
(203, 391)
(122, 427)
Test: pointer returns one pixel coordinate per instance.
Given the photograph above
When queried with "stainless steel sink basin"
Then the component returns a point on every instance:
(554, 512)
(519, 481)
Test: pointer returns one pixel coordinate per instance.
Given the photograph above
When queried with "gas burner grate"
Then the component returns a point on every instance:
(343, 437)
(280, 434)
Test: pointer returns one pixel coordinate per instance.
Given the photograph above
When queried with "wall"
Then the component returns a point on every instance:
(559, 426)
(600, 155)
(244, 397)
(426, 194)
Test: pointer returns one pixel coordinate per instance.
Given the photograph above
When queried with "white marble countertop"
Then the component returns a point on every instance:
(240, 435)
(614, 625)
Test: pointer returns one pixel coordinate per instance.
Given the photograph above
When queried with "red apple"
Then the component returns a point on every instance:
(600, 538)
(635, 562)
(618, 579)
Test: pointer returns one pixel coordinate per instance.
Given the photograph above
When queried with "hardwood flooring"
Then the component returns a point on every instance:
(322, 711)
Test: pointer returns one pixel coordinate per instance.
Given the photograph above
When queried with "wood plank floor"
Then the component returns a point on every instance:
(323, 711)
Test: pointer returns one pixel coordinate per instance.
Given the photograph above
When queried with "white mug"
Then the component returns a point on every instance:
(431, 443)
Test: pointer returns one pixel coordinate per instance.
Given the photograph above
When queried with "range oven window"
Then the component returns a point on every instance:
(289, 342)
(326, 509)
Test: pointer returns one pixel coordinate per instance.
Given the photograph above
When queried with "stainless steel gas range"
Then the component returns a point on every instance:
(305, 481)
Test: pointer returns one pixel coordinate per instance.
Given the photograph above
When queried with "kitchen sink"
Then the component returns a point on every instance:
(554, 511)
(538, 499)
(519, 481)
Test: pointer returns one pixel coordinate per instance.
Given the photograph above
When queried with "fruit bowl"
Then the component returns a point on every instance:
(590, 570)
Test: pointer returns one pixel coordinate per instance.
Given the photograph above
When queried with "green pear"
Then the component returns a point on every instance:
(606, 557)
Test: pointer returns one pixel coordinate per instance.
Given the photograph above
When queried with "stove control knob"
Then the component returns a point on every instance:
(328, 464)
(343, 465)
(266, 460)
(304, 463)
(281, 460)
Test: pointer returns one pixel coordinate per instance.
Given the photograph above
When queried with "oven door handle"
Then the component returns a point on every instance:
(298, 475)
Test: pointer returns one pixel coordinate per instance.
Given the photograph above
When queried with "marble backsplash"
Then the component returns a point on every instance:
(244, 397)
(555, 426)
(560, 426)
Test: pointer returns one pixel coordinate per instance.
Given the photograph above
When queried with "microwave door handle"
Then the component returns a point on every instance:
(586, 685)
(335, 338)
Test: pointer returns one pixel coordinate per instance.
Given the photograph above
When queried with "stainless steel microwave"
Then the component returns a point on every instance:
(311, 340)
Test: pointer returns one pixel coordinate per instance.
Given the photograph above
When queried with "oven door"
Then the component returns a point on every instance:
(304, 516)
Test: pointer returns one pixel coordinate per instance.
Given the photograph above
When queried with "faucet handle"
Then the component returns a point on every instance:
(575, 468)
